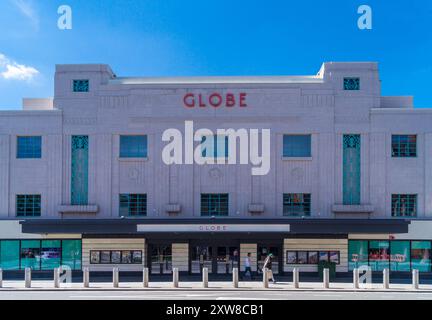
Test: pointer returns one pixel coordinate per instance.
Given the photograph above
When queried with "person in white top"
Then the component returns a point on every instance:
(247, 263)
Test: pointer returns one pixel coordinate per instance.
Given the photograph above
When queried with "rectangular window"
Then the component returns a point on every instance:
(296, 204)
(28, 205)
(297, 146)
(133, 146)
(30, 254)
(10, 254)
(312, 257)
(214, 204)
(404, 205)
(50, 254)
(404, 146)
(29, 147)
(216, 148)
(351, 169)
(351, 84)
(79, 170)
(133, 205)
(379, 255)
(421, 255)
(116, 257)
(71, 254)
(81, 85)
(357, 254)
(400, 257)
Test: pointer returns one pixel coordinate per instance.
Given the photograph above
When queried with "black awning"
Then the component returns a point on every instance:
(297, 226)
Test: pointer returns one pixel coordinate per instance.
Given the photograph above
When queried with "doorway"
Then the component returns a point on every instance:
(218, 258)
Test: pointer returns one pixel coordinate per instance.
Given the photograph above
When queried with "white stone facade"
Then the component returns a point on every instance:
(315, 105)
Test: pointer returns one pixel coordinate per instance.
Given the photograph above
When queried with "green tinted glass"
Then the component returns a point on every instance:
(9, 254)
(71, 254)
(400, 256)
(30, 254)
(50, 254)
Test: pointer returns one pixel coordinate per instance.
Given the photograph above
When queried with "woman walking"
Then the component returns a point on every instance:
(268, 266)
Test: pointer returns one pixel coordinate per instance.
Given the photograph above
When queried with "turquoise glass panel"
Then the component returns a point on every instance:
(379, 255)
(10, 254)
(351, 169)
(79, 170)
(71, 254)
(357, 253)
(421, 255)
(50, 254)
(400, 256)
(297, 146)
(133, 146)
(30, 254)
(29, 147)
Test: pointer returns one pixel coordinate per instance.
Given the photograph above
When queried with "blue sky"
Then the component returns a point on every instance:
(213, 37)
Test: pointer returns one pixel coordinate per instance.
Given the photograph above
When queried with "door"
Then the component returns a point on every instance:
(201, 257)
(160, 259)
(218, 258)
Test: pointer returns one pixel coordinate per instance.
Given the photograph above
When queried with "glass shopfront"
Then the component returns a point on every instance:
(219, 259)
(397, 255)
(161, 259)
(40, 254)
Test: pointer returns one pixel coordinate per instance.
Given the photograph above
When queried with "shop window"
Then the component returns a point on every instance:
(323, 256)
(379, 255)
(29, 147)
(214, 204)
(400, 256)
(334, 257)
(28, 205)
(296, 204)
(30, 254)
(357, 254)
(302, 257)
(10, 254)
(297, 146)
(116, 257)
(50, 254)
(81, 85)
(404, 146)
(133, 146)
(421, 255)
(351, 84)
(312, 257)
(133, 205)
(71, 254)
(218, 148)
(404, 205)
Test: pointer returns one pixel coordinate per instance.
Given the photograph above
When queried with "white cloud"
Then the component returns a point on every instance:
(11, 70)
(26, 8)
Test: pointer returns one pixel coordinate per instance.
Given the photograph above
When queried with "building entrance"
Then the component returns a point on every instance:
(218, 258)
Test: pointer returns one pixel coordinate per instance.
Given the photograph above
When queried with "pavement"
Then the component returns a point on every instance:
(48, 285)
(217, 290)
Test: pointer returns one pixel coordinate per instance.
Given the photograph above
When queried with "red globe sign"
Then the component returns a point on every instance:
(215, 100)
